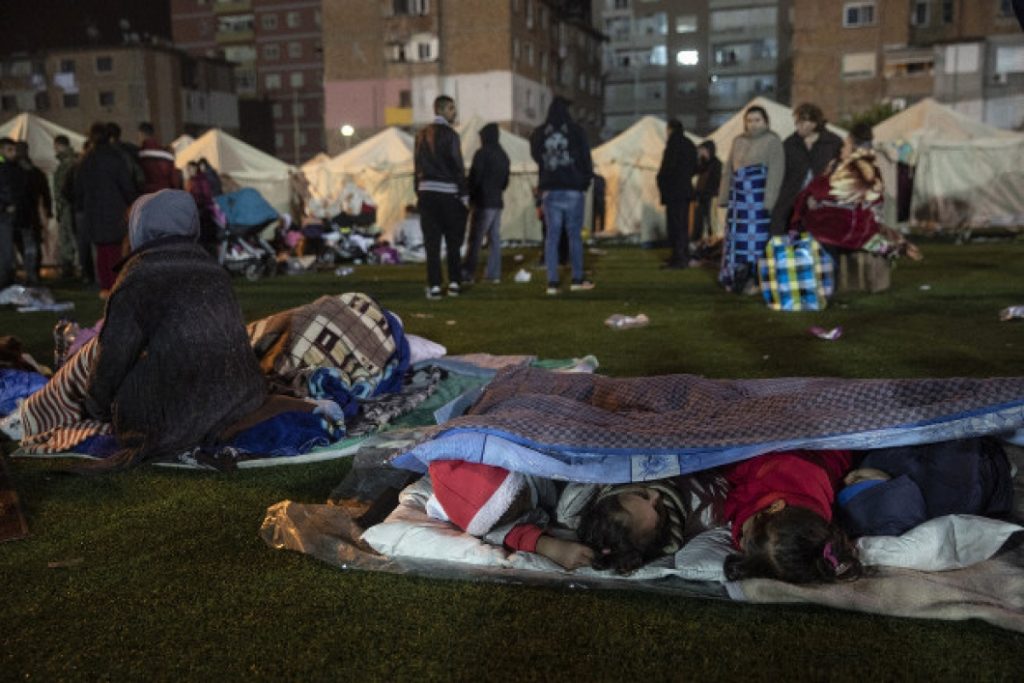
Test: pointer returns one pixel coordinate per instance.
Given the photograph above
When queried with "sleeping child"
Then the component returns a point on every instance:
(622, 527)
(781, 504)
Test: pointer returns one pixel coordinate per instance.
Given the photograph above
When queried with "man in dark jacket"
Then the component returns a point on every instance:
(157, 162)
(33, 214)
(443, 195)
(560, 148)
(174, 366)
(709, 177)
(13, 184)
(675, 185)
(104, 191)
(488, 178)
(809, 151)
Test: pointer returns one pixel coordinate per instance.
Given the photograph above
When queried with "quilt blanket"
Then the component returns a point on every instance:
(600, 429)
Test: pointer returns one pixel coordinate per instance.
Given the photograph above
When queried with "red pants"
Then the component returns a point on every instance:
(107, 256)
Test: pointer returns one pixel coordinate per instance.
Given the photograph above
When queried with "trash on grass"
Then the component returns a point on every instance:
(1011, 312)
(827, 335)
(619, 321)
(925, 288)
(344, 271)
(523, 275)
(63, 564)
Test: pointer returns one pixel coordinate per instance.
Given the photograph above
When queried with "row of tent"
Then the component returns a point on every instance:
(968, 174)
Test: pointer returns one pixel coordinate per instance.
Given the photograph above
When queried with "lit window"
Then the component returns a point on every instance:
(688, 57)
(659, 55)
(686, 23)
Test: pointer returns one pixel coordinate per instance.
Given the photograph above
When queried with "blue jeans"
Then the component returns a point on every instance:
(485, 222)
(563, 210)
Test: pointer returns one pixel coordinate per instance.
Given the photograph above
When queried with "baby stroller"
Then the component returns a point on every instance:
(240, 248)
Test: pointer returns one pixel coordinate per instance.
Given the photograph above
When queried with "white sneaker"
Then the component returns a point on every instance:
(583, 286)
(434, 292)
(552, 290)
(454, 289)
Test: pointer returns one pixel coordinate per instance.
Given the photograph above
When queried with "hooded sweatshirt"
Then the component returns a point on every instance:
(489, 173)
(167, 213)
(560, 148)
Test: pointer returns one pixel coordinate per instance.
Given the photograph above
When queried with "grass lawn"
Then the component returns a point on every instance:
(166, 578)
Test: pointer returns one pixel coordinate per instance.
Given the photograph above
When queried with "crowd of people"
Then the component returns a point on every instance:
(90, 195)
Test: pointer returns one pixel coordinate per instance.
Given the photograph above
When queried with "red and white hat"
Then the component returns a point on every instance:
(474, 496)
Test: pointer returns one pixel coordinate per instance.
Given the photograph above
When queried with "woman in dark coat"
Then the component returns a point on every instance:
(174, 367)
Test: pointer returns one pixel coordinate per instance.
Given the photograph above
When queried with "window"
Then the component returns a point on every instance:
(272, 81)
(659, 55)
(963, 59)
(67, 66)
(293, 19)
(42, 101)
(295, 50)
(919, 13)
(240, 54)
(1009, 60)
(279, 141)
(652, 24)
(70, 100)
(515, 48)
(859, 65)
(686, 23)
(620, 4)
(296, 80)
(420, 7)
(687, 57)
(302, 138)
(405, 98)
(317, 20)
(529, 54)
(278, 110)
(544, 62)
(269, 21)
(1006, 8)
(106, 98)
(9, 103)
(686, 88)
(529, 13)
(740, 20)
(239, 23)
(617, 28)
(104, 64)
(858, 14)
(425, 51)
(299, 110)
(271, 52)
(948, 11)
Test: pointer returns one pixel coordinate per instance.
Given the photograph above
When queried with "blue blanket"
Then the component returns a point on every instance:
(591, 428)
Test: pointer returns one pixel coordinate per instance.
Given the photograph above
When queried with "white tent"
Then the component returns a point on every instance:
(968, 174)
(39, 133)
(519, 217)
(181, 142)
(381, 165)
(629, 163)
(244, 164)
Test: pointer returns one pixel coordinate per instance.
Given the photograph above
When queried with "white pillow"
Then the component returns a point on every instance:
(703, 558)
(421, 349)
(949, 542)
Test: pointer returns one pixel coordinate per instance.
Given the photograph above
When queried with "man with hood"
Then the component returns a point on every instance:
(560, 148)
(675, 185)
(709, 177)
(443, 195)
(488, 178)
(174, 366)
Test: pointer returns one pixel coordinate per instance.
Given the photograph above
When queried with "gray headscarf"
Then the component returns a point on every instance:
(167, 213)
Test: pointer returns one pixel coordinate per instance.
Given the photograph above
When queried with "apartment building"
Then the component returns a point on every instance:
(695, 60)
(851, 55)
(126, 84)
(502, 61)
(275, 46)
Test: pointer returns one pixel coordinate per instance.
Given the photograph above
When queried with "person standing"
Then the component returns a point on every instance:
(129, 153)
(488, 178)
(443, 195)
(104, 189)
(749, 190)
(809, 151)
(13, 184)
(675, 185)
(157, 162)
(67, 249)
(34, 213)
(709, 177)
(598, 205)
(560, 148)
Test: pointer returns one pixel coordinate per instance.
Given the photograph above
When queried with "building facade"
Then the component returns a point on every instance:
(849, 56)
(502, 60)
(125, 84)
(695, 60)
(275, 46)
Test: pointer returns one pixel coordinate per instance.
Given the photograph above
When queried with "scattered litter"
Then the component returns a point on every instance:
(765, 357)
(450, 322)
(619, 321)
(518, 258)
(344, 271)
(597, 252)
(925, 288)
(63, 564)
(423, 315)
(29, 299)
(299, 264)
(1011, 312)
(523, 275)
(57, 307)
(827, 335)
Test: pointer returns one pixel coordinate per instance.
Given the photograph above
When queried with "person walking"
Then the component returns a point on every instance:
(709, 177)
(675, 185)
(63, 200)
(443, 195)
(560, 148)
(809, 151)
(488, 178)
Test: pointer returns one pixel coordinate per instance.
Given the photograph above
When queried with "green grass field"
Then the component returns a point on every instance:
(165, 577)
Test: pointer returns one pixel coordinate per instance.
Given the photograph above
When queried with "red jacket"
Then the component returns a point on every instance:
(806, 479)
(157, 167)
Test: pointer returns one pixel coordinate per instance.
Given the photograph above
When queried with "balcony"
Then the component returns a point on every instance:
(231, 6)
(233, 37)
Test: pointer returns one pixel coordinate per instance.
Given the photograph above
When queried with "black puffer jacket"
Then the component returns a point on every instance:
(104, 190)
(560, 148)
(489, 173)
(678, 164)
(174, 366)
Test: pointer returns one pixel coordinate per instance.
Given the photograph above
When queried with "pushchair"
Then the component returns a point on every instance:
(240, 247)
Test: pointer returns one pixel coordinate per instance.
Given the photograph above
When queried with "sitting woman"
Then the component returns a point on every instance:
(781, 504)
(174, 367)
(842, 208)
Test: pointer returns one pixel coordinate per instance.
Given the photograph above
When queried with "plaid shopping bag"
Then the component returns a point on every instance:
(796, 274)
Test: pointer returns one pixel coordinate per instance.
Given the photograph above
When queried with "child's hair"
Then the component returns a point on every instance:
(605, 528)
(798, 546)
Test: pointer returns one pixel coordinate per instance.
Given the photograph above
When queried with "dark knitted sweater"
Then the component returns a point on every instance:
(174, 366)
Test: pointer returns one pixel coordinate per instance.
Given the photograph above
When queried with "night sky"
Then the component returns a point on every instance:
(31, 25)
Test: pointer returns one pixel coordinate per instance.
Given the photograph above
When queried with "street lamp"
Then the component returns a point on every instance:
(347, 132)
